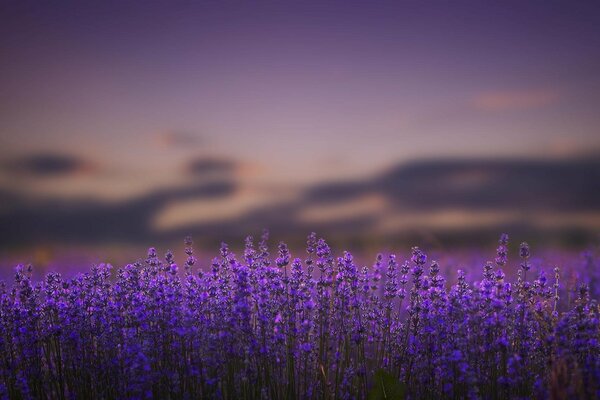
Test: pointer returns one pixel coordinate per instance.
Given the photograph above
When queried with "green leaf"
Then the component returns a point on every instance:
(387, 387)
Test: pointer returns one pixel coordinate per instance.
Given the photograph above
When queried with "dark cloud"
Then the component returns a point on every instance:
(556, 185)
(435, 185)
(552, 186)
(210, 166)
(91, 221)
(47, 165)
(337, 191)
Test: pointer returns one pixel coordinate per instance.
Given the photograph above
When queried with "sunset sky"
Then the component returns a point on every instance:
(108, 101)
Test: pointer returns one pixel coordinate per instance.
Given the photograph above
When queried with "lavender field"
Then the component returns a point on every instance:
(267, 324)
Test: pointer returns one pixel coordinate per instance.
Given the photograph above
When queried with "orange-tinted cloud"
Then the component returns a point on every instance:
(515, 99)
(367, 205)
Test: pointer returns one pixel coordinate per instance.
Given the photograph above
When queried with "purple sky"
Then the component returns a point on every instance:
(292, 93)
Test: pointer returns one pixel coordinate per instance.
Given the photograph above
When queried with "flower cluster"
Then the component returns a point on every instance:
(317, 327)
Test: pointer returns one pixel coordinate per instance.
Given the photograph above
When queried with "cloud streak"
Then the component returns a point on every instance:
(31, 220)
(431, 195)
(515, 100)
(207, 166)
(42, 165)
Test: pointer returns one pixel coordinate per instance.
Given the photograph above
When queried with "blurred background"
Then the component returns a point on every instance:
(130, 124)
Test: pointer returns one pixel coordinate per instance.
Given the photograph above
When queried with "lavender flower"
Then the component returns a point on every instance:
(255, 328)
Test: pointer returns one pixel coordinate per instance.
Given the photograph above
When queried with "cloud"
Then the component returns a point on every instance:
(432, 195)
(559, 185)
(87, 221)
(48, 165)
(365, 205)
(333, 192)
(198, 211)
(206, 166)
(515, 100)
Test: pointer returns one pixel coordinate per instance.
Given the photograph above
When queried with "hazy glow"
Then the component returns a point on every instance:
(515, 100)
(186, 213)
(368, 205)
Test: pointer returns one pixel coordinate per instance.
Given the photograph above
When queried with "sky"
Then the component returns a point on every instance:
(110, 102)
